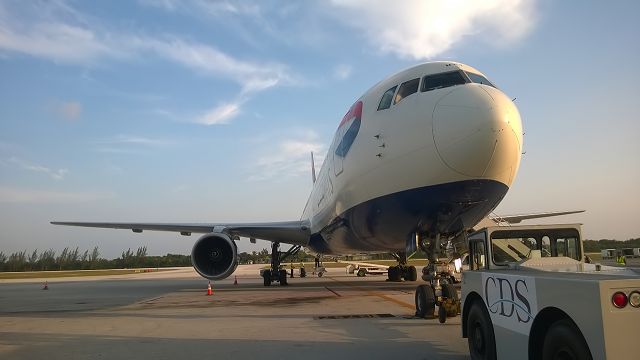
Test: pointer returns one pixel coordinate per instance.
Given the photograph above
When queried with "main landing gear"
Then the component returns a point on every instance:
(276, 273)
(402, 270)
(439, 290)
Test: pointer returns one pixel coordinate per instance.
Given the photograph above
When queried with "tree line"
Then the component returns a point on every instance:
(75, 259)
(597, 245)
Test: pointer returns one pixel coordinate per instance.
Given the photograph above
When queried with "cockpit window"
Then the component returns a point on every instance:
(387, 97)
(407, 88)
(439, 81)
(479, 79)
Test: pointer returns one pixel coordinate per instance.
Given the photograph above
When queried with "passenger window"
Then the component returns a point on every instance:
(387, 97)
(479, 79)
(406, 89)
(439, 81)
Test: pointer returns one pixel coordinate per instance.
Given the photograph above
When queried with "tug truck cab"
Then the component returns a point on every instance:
(529, 295)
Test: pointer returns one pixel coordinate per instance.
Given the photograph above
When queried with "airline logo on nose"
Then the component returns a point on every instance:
(348, 129)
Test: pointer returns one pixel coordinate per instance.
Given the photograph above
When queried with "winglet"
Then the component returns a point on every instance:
(313, 169)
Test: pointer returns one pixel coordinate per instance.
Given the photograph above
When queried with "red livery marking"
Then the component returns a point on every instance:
(354, 112)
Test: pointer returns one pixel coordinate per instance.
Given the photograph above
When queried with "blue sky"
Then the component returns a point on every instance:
(205, 111)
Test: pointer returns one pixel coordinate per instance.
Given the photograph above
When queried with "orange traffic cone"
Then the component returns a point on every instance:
(235, 281)
(46, 286)
(209, 290)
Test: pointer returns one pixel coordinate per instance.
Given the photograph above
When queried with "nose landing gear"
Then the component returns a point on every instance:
(440, 290)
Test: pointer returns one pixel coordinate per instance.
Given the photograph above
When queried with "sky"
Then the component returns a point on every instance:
(206, 111)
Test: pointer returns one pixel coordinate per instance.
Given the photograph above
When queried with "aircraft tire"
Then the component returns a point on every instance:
(412, 273)
(266, 276)
(425, 301)
(282, 277)
(481, 339)
(361, 273)
(564, 341)
(394, 273)
(442, 314)
(450, 292)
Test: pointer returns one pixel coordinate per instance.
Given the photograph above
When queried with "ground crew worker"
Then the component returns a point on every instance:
(303, 272)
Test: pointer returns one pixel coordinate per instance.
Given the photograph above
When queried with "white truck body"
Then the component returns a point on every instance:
(608, 254)
(531, 280)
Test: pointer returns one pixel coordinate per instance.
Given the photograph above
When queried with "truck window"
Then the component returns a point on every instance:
(509, 246)
(477, 261)
(560, 247)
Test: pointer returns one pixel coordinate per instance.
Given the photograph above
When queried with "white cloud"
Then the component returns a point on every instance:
(423, 29)
(215, 8)
(221, 114)
(57, 41)
(129, 144)
(55, 174)
(291, 157)
(342, 71)
(21, 195)
(205, 58)
(62, 34)
(136, 140)
(78, 41)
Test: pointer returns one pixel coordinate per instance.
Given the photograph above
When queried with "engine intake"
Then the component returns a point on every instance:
(215, 256)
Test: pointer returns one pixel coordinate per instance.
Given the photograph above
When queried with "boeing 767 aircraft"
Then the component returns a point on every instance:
(418, 160)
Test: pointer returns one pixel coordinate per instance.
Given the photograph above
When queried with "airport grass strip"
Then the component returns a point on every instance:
(71, 273)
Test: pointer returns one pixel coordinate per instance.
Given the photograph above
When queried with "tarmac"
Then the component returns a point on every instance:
(167, 315)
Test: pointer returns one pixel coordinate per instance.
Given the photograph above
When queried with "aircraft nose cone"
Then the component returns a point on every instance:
(478, 132)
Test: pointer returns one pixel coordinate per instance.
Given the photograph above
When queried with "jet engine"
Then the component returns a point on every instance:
(215, 256)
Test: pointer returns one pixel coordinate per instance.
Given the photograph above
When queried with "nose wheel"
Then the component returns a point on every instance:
(440, 291)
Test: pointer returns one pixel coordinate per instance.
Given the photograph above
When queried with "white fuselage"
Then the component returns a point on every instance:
(437, 161)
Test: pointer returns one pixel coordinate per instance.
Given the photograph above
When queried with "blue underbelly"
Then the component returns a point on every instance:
(386, 223)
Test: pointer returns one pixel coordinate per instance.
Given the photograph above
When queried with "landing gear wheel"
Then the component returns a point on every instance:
(361, 273)
(282, 277)
(266, 276)
(320, 274)
(425, 301)
(394, 273)
(450, 292)
(442, 314)
(481, 340)
(564, 341)
(412, 274)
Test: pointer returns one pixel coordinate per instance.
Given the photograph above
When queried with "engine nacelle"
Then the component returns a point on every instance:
(215, 256)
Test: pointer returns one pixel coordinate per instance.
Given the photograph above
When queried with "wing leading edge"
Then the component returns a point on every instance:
(289, 232)
(516, 219)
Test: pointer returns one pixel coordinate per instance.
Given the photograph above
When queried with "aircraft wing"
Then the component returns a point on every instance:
(515, 219)
(289, 232)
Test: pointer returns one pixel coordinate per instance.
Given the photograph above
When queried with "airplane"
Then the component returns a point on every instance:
(417, 161)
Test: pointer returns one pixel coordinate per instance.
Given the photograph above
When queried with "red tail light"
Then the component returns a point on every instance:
(619, 299)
